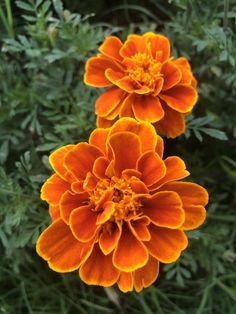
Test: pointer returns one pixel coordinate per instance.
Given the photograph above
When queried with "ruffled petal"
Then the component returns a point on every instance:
(145, 132)
(70, 201)
(125, 282)
(104, 123)
(105, 215)
(81, 158)
(146, 275)
(126, 148)
(126, 109)
(109, 237)
(171, 73)
(158, 43)
(147, 108)
(119, 79)
(166, 244)
(53, 189)
(194, 198)
(172, 124)
(98, 138)
(56, 161)
(132, 46)
(152, 167)
(83, 223)
(95, 71)
(175, 170)
(139, 228)
(185, 69)
(130, 254)
(164, 209)
(60, 249)
(111, 47)
(100, 166)
(98, 269)
(108, 101)
(54, 212)
(181, 98)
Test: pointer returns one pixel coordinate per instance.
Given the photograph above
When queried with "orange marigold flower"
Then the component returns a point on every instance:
(118, 209)
(143, 82)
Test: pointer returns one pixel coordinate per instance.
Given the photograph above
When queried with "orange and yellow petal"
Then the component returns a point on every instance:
(166, 244)
(80, 219)
(104, 123)
(139, 228)
(126, 149)
(146, 275)
(126, 281)
(56, 161)
(62, 251)
(109, 238)
(54, 212)
(130, 253)
(69, 201)
(53, 189)
(164, 209)
(146, 108)
(95, 71)
(181, 98)
(80, 159)
(152, 167)
(100, 166)
(171, 74)
(185, 69)
(111, 47)
(98, 138)
(108, 101)
(159, 43)
(172, 124)
(98, 269)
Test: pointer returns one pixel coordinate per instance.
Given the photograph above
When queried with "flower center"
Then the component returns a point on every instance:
(144, 70)
(118, 191)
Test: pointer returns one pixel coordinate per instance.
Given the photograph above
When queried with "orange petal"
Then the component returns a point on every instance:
(126, 108)
(130, 254)
(56, 161)
(95, 71)
(60, 249)
(83, 223)
(105, 215)
(164, 209)
(159, 43)
(185, 68)
(158, 86)
(146, 275)
(70, 201)
(77, 186)
(171, 73)
(137, 186)
(176, 170)
(159, 146)
(125, 282)
(81, 158)
(120, 80)
(144, 130)
(108, 101)
(166, 244)
(147, 108)
(109, 237)
(194, 198)
(152, 167)
(140, 229)
(126, 148)
(104, 123)
(128, 173)
(181, 98)
(98, 138)
(172, 124)
(111, 47)
(98, 269)
(53, 189)
(99, 167)
(54, 212)
(130, 48)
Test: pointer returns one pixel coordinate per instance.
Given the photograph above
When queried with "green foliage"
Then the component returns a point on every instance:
(44, 104)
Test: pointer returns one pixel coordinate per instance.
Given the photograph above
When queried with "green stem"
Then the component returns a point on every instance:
(226, 9)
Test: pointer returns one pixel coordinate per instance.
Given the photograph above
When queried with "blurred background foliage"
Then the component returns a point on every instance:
(44, 105)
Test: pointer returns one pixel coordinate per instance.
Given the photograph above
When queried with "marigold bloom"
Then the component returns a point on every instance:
(143, 82)
(118, 208)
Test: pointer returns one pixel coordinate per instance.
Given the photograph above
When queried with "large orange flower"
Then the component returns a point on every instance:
(118, 208)
(143, 82)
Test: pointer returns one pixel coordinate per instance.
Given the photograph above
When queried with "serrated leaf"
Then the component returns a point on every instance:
(220, 135)
(25, 6)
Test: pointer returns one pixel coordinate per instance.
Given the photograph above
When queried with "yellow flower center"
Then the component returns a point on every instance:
(144, 70)
(119, 192)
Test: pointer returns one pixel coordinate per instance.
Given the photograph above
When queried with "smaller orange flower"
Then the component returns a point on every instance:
(118, 209)
(143, 81)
